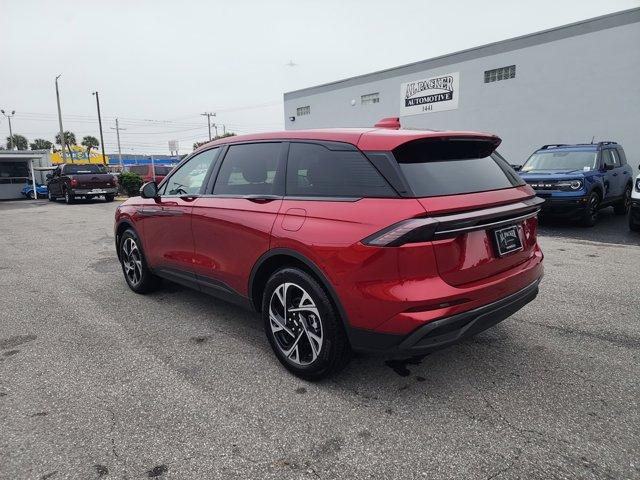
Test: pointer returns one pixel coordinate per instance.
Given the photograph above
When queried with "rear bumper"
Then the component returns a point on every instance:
(89, 191)
(445, 331)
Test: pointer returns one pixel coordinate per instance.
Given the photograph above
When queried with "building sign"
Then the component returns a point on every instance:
(430, 94)
(78, 155)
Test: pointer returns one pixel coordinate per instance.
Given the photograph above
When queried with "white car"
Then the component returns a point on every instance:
(634, 210)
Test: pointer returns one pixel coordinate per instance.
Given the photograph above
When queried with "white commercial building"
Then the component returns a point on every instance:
(565, 85)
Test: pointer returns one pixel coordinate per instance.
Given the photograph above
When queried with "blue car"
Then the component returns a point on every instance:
(578, 180)
(41, 190)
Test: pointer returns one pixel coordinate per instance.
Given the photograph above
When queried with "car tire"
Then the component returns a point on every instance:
(30, 195)
(310, 342)
(69, 197)
(622, 207)
(51, 197)
(136, 272)
(109, 198)
(590, 215)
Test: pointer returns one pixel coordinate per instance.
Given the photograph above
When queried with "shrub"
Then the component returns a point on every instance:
(131, 183)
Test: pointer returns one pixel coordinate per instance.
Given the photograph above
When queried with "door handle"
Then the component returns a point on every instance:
(615, 174)
(262, 198)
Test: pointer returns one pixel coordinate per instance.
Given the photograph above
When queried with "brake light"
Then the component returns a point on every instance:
(74, 182)
(414, 230)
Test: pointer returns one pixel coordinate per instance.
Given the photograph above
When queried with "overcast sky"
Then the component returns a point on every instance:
(159, 64)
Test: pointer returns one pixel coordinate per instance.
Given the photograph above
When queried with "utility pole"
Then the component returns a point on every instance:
(117, 129)
(11, 139)
(62, 142)
(104, 158)
(209, 115)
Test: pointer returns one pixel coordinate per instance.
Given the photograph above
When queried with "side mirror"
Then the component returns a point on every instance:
(517, 168)
(608, 167)
(149, 190)
(49, 176)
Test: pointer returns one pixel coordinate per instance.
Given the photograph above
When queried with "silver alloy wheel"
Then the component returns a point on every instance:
(295, 323)
(131, 261)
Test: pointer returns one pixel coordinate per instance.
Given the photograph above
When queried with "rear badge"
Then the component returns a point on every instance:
(507, 240)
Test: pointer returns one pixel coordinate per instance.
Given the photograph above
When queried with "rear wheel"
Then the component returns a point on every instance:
(590, 215)
(50, 196)
(622, 207)
(302, 325)
(30, 195)
(134, 265)
(69, 198)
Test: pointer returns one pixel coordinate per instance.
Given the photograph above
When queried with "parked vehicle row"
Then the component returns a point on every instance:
(343, 239)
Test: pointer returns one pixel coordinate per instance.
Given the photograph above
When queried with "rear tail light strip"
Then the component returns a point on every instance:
(449, 226)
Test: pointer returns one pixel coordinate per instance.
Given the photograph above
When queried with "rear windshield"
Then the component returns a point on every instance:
(450, 167)
(80, 169)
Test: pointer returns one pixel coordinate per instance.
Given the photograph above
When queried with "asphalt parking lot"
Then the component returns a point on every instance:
(97, 382)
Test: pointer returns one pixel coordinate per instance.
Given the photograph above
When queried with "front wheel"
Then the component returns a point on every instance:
(51, 197)
(30, 195)
(302, 325)
(590, 214)
(109, 198)
(622, 207)
(134, 265)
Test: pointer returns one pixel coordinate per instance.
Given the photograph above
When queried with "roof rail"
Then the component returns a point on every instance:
(607, 142)
(544, 147)
(389, 122)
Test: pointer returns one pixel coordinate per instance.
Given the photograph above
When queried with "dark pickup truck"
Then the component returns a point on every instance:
(73, 180)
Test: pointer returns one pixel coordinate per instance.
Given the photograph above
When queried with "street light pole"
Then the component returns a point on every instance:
(104, 158)
(11, 139)
(62, 142)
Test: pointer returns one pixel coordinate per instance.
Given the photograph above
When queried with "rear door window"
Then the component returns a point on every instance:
(315, 171)
(249, 169)
(451, 167)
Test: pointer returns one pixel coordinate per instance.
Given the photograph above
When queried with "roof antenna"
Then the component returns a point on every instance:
(592, 139)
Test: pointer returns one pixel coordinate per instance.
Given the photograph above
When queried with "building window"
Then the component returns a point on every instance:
(502, 73)
(370, 98)
(303, 110)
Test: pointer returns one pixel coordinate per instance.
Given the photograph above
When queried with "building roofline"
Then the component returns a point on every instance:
(603, 22)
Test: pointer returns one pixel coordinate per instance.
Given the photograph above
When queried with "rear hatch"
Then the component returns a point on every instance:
(485, 213)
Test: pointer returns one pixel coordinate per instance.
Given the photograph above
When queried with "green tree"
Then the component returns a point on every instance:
(204, 142)
(40, 144)
(19, 141)
(90, 142)
(131, 183)
(69, 139)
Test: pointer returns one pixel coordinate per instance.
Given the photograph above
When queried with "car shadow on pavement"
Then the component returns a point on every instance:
(610, 228)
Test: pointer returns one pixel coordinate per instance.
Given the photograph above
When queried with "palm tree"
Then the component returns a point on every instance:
(41, 144)
(69, 139)
(89, 142)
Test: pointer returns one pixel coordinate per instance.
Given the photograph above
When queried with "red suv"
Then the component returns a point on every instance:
(383, 240)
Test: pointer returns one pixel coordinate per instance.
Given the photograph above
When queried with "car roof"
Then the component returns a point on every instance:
(367, 139)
